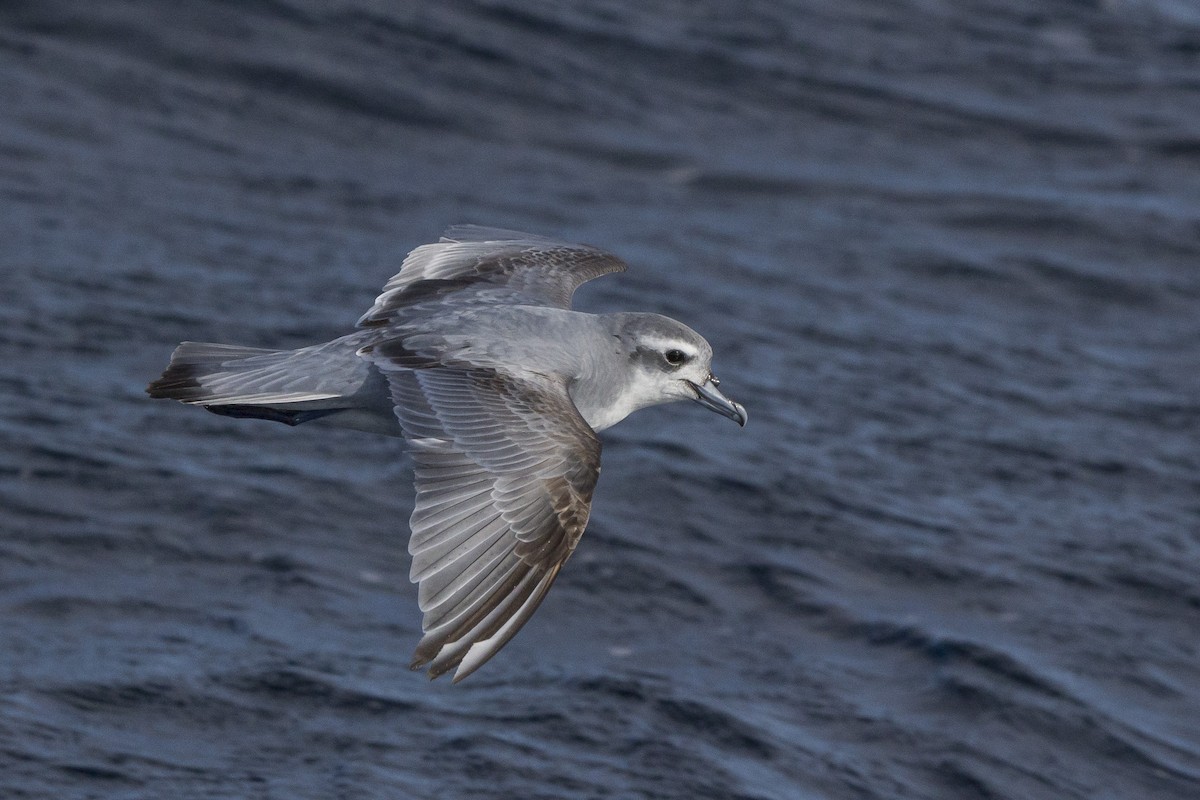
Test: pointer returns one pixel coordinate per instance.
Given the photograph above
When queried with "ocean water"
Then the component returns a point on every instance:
(948, 255)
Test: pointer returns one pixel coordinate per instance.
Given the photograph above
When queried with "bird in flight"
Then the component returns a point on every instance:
(473, 354)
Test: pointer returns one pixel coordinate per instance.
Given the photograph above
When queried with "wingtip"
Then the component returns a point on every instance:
(418, 666)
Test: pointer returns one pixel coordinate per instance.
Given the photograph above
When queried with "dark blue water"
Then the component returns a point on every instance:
(948, 255)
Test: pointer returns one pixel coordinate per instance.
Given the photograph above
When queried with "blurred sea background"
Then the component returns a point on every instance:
(947, 254)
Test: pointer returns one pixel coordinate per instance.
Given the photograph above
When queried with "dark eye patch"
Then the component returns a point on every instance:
(675, 357)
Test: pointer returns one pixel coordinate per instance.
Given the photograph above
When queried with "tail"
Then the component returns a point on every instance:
(290, 386)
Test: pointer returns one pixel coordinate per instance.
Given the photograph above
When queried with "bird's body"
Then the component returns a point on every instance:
(473, 355)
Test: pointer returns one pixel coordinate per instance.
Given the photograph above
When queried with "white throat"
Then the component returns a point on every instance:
(603, 406)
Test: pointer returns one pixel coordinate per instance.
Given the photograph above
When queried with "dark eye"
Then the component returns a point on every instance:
(675, 357)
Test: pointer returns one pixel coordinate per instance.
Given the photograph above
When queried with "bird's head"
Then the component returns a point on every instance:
(670, 362)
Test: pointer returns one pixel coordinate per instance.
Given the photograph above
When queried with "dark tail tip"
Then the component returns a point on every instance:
(178, 382)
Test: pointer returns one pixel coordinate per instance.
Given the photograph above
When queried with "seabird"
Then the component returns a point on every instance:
(473, 354)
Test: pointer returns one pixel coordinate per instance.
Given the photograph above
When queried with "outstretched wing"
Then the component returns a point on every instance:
(505, 471)
(491, 266)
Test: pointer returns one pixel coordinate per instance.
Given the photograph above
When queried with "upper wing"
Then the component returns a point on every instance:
(504, 472)
(496, 266)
